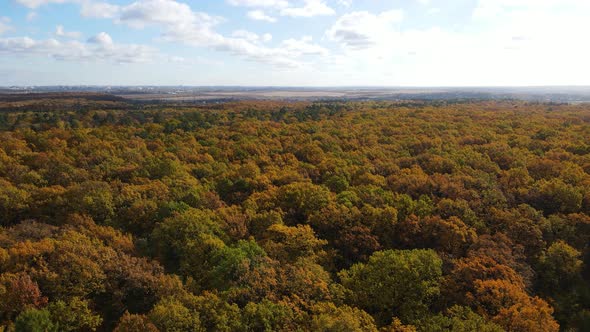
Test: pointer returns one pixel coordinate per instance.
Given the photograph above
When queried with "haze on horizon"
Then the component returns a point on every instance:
(295, 42)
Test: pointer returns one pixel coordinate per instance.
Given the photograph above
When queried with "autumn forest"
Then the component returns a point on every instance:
(294, 216)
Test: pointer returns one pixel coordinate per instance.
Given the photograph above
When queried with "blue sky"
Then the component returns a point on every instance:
(295, 42)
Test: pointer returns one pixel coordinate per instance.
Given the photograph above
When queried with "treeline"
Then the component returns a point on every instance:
(272, 216)
(50, 102)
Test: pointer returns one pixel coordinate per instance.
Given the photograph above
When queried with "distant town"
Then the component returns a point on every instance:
(575, 94)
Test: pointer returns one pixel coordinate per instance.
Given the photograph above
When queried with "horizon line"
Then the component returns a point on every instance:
(296, 86)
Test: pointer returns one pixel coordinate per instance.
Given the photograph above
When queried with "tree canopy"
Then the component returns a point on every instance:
(295, 216)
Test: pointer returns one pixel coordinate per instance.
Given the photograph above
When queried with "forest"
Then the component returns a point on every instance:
(389, 216)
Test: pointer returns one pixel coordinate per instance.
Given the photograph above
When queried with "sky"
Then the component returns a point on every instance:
(295, 42)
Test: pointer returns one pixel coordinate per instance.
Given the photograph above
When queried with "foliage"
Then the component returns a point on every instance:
(74, 315)
(134, 323)
(171, 315)
(395, 283)
(458, 319)
(35, 320)
(293, 216)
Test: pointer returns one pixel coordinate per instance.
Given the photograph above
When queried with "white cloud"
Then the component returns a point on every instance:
(361, 30)
(502, 42)
(99, 9)
(516, 42)
(163, 12)
(179, 23)
(61, 32)
(260, 15)
(345, 3)
(287, 55)
(549, 27)
(102, 38)
(490, 9)
(251, 36)
(5, 25)
(99, 48)
(311, 8)
(89, 8)
(33, 4)
(260, 3)
(248, 35)
(306, 8)
(303, 46)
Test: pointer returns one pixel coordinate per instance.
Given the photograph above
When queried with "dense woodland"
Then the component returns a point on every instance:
(275, 216)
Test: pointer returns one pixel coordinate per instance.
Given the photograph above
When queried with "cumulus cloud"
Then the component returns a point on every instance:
(98, 48)
(287, 55)
(490, 9)
(33, 4)
(102, 38)
(248, 35)
(309, 9)
(304, 8)
(5, 25)
(303, 46)
(99, 9)
(502, 42)
(545, 26)
(179, 23)
(260, 15)
(61, 32)
(251, 36)
(260, 3)
(88, 8)
(507, 42)
(345, 3)
(162, 12)
(361, 30)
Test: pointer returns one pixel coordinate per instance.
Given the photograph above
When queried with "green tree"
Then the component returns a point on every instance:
(172, 316)
(559, 268)
(74, 315)
(35, 320)
(231, 263)
(554, 196)
(184, 241)
(457, 319)
(267, 316)
(299, 200)
(93, 198)
(215, 313)
(400, 283)
(13, 201)
(327, 317)
(287, 244)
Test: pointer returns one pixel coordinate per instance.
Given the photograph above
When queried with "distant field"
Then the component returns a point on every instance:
(208, 94)
(310, 94)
